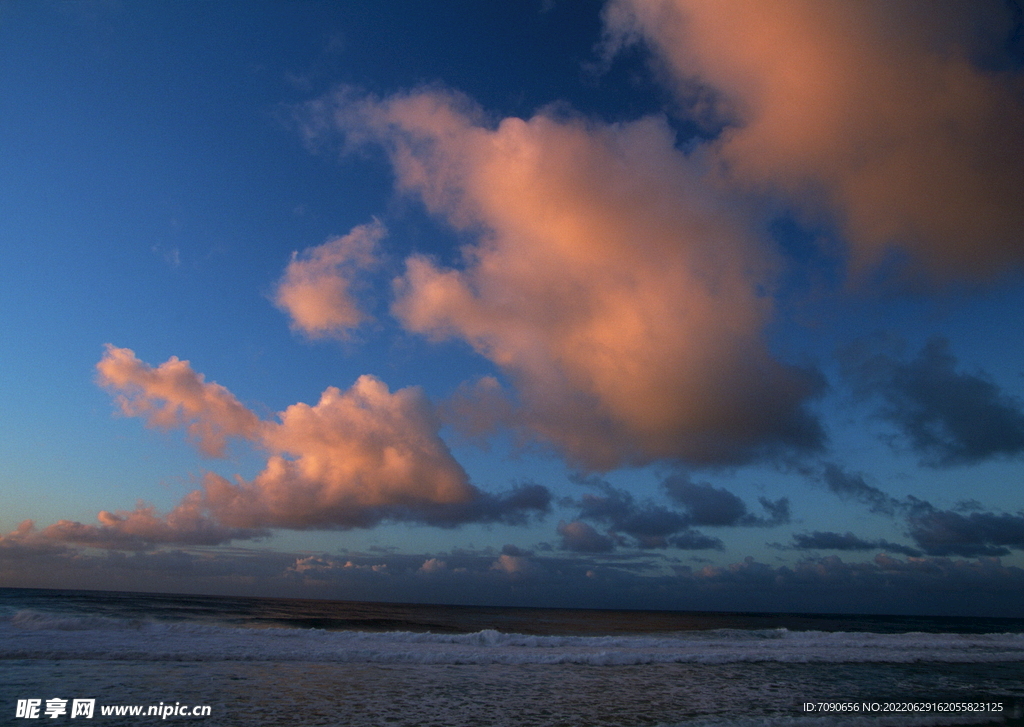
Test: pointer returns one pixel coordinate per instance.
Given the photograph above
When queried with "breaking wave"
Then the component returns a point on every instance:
(36, 635)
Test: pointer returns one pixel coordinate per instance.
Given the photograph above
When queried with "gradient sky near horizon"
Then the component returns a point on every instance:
(641, 303)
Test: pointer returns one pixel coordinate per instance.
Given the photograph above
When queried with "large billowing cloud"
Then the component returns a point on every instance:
(626, 303)
(316, 290)
(341, 460)
(877, 113)
(356, 458)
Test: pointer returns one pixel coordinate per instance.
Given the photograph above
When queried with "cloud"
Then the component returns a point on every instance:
(819, 540)
(356, 458)
(581, 537)
(655, 526)
(853, 486)
(625, 302)
(883, 585)
(142, 528)
(349, 461)
(433, 565)
(174, 395)
(965, 530)
(24, 542)
(316, 289)
(513, 565)
(901, 137)
(695, 540)
(649, 525)
(944, 532)
(948, 417)
(708, 505)
(314, 564)
(478, 408)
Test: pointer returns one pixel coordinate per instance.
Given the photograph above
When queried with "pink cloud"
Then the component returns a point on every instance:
(513, 565)
(351, 460)
(142, 528)
(317, 287)
(173, 395)
(433, 565)
(354, 459)
(623, 298)
(896, 134)
(26, 542)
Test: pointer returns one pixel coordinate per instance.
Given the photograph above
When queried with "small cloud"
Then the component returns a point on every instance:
(173, 395)
(317, 287)
(580, 537)
(819, 540)
(433, 565)
(314, 564)
(694, 540)
(853, 486)
(512, 564)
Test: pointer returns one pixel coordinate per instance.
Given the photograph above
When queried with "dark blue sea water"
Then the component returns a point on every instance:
(255, 661)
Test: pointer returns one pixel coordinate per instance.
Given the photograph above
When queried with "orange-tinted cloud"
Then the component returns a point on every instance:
(354, 459)
(872, 112)
(625, 301)
(316, 290)
(348, 461)
(173, 395)
(141, 528)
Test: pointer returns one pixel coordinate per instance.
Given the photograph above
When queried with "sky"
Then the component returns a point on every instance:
(626, 304)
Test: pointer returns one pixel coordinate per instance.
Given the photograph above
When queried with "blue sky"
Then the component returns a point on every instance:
(662, 306)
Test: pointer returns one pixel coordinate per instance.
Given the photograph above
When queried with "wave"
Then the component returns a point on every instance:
(37, 635)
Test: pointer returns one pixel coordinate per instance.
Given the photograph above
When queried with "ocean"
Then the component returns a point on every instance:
(138, 659)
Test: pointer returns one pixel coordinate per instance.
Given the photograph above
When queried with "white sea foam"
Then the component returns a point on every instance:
(34, 635)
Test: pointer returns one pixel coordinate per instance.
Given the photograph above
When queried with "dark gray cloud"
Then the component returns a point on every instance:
(819, 540)
(708, 505)
(966, 530)
(946, 532)
(514, 507)
(695, 540)
(650, 525)
(851, 486)
(580, 537)
(948, 417)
